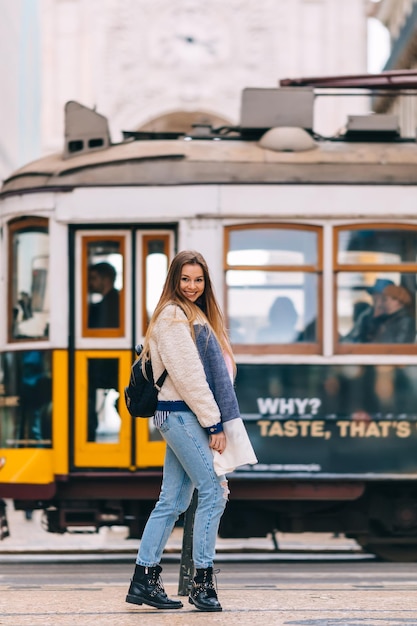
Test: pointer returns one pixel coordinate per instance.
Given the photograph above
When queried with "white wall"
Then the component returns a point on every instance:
(20, 69)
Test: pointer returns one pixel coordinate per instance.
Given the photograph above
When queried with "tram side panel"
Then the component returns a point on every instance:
(338, 458)
(334, 434)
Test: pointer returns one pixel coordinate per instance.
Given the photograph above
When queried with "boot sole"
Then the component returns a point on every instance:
(214, 609)
(155, 605)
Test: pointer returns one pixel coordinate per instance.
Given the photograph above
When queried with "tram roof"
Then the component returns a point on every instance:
(175, 162)
(370, 152)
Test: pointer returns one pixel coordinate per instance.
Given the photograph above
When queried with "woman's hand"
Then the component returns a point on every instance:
(218, 442)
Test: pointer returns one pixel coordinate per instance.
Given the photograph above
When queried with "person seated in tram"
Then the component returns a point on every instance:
(102, 373)
(397, 326)
(35, 392)
(282, 320)
(105, 313)
(367, 323)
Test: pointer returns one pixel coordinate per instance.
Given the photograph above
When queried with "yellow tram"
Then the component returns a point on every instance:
(299, 232)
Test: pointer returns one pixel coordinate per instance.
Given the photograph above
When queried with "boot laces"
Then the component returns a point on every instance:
(156, 581)
(208, 586)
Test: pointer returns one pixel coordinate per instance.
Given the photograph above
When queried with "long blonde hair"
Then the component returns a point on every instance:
(171, 294)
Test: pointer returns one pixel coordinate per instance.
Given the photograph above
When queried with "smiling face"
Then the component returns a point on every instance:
(192, 281)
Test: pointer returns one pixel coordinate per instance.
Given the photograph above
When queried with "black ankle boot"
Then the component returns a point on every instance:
(146, 588)
(203, 593)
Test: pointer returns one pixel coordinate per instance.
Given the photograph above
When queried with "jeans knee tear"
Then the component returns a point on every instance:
(225, 486)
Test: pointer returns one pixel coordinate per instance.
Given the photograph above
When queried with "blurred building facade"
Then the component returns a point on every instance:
(166, 63)
(21, 86)
(400, 17)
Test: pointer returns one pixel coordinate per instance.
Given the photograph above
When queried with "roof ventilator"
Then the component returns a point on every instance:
(282, 119)
(85, 130)
(375, 127)
(202, 130)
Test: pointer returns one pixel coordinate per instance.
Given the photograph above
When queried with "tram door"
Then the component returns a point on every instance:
(118, 279)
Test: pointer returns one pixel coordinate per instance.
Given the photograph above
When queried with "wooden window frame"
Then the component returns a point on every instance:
(317, 269)
(89, 454)
(21, 224)
(401, 268)
(120, 331)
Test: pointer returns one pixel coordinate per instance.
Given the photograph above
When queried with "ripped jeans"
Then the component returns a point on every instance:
(188, 465)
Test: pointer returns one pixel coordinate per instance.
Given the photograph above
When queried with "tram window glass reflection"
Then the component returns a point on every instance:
(271, 307)
(376, 285)
(25, 399)
(104, 420)
(155, 268)
(272, 246)
(29, 279)
(379, 246)
(276, 303)
(104, 271)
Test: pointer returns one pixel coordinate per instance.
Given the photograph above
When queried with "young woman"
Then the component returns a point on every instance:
(196, 405)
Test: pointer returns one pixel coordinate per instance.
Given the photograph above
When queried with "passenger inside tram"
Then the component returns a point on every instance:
(35, 393)
(282, 321)
(105, 312)
(397, 325)
(366, 324)
(309, 333)
(388, 319)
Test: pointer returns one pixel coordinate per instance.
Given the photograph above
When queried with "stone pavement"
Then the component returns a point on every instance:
(358, 592)
(263, 607)
(284, 594)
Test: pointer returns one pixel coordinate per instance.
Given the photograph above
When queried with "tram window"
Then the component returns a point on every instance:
(276, 303)
(104, 275)
(376, 286)
(28, 279)
(25, 399)
(103, 425)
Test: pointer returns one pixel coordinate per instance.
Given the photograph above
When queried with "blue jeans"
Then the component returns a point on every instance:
(188, 465)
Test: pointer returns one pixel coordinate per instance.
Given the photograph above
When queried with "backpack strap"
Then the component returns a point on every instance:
(161, 380)
(158, 384)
